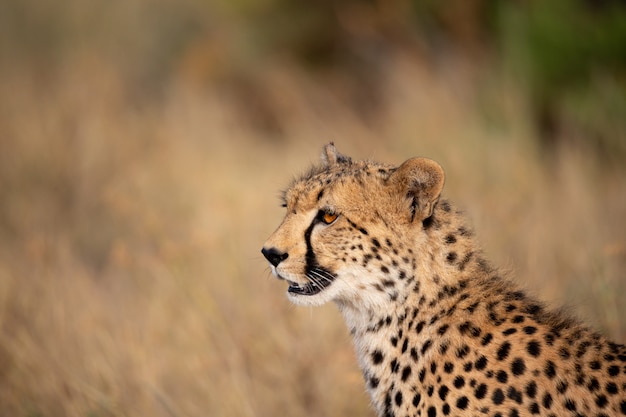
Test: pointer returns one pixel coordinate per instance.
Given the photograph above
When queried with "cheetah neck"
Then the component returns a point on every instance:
(443, 264)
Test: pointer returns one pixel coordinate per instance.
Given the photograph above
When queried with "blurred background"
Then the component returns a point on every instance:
(143, 146)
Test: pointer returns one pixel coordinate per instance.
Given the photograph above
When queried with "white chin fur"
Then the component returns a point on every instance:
(311, 300)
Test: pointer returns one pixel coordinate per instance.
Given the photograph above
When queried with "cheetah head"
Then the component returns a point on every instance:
(352, 228)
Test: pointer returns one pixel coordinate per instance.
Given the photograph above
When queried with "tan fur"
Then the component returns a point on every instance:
(437, 331)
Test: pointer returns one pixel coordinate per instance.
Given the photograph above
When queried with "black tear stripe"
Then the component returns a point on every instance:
(310, 258)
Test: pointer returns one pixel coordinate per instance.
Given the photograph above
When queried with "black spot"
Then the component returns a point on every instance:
(481, 363)
(531, 389)
(451, 257)
(442, 330)
(613, 370)
(510, 331)
(320, 194)
(448, 367)
(459, 382)
(428, 222)
(374, 382)
(550, 370)
(503, 351)
(432, 412)
(462, 403)
(514, 394)
(450, 239)
(472, 307)
(377, 357)
(570, 405)
(561, 387)
(497, 397)
(547, 401)
(564, 353)
(465, 260)
(394, 366)
(582, 349)
(486, 339)
(580, 379)
(462, 352)
(502, 377)
(468, 327)
(426, 346)
(406, 372)
(443, 392)
(416, 399)
(398, 398)
(518, 367)
(532, 309)
(611, 388)
(594, 365)
(384, 269)
(530, 330)
(533, 348)
(593, 385)
(534, 408)
(622, 407)
(419, 327)
(388, 283)
(480, 391)
(510, 307)
(518, 319)
(601, 401)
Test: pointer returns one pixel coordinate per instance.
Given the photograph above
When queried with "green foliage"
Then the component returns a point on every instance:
(572, 57)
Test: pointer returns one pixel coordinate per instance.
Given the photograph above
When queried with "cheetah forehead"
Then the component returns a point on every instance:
(353, 177)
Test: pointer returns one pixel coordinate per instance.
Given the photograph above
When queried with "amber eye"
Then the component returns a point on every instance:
(328, 218)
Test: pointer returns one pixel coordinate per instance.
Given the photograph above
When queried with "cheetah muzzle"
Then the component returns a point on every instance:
(437, 330)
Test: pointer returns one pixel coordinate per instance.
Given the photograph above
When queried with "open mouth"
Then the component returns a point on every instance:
(307, 289)
(319, 280)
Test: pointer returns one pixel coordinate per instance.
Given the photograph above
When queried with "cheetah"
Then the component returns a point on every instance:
(437, 330)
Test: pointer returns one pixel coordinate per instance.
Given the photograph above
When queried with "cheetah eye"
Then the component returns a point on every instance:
(328, 217)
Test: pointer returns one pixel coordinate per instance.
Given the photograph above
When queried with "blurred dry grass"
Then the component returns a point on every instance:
(131, 281)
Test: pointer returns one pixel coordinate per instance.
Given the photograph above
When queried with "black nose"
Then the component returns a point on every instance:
(274, 256)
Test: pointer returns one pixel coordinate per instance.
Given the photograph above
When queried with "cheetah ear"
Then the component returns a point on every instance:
(330, 156)
(421, 180)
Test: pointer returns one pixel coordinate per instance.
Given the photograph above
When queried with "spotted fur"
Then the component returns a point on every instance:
(437, 330)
